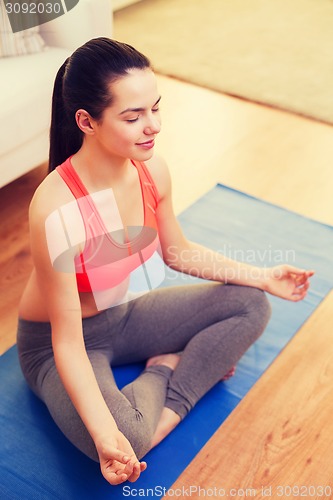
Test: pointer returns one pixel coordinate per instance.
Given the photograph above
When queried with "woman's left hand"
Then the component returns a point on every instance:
(117, 459)
(287, 282)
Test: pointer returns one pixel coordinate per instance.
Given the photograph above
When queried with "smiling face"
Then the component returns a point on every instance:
(129, 126)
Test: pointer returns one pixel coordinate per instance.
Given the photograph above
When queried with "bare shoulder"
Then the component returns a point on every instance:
(50, 195)
(159, 171)
(55, 219)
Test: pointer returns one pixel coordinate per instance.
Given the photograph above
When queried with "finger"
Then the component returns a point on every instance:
(143, 466)
(297, 271)
(299, 290)
(113, 477)
(305, 277)
(306, 285)
(298, 298)
(120, 456)
(301, 283)
(301, 278)
(129, 467)
(114, 469)
(293, 270)
(303, 287)
(117, 479)
(299, 294)
(286, 270)
(301, 272)
(295, 298)
(136, 472)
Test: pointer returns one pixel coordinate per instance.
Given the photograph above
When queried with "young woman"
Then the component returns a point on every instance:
(99, 221)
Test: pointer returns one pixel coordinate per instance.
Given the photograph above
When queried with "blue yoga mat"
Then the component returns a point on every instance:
(36, 460)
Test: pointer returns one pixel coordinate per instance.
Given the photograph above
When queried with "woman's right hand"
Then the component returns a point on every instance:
(118, 461)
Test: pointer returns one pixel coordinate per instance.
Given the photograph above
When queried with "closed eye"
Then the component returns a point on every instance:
(133, 120)
(154, 109)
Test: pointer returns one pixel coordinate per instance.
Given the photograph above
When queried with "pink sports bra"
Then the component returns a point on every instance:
(104, 262)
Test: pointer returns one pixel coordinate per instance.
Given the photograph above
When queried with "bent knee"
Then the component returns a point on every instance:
(258, 300)
(258, 308)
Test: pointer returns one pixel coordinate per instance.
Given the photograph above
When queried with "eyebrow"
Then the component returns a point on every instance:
(136, 110)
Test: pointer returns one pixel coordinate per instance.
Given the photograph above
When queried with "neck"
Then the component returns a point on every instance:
(97, 168)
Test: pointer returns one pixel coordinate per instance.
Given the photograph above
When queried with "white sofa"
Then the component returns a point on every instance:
(26, 83)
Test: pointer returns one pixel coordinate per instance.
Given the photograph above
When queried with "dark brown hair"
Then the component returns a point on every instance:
(83, 81)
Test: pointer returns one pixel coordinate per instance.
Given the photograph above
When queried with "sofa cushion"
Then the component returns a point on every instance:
(21, 43)
(26, 86)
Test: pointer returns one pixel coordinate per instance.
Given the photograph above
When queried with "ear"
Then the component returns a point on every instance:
(84, 121)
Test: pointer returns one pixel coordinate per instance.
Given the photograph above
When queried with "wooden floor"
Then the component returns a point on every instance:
(15, 261)
(280, 433)
(277, 443)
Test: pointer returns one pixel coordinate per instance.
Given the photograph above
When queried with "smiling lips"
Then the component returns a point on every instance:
(146, 145)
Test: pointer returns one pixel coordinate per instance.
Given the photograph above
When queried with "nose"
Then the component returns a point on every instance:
(153, 125)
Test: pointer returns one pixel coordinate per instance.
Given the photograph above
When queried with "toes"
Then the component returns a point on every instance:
(229, 374)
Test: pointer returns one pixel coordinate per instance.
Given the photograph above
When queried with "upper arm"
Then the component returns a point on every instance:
(171, 235)
(55, 276)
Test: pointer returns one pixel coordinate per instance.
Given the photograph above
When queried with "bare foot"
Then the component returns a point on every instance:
(170, 360)
(229, 374)
(168, 421)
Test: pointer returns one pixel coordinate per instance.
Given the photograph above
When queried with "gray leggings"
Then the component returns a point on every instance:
(212, 324)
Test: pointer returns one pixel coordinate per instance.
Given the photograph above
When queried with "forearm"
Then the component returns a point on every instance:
(79, 380)
(200, 261)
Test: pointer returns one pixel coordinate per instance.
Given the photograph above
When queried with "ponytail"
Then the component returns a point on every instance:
(65, 136)
(83, 82)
